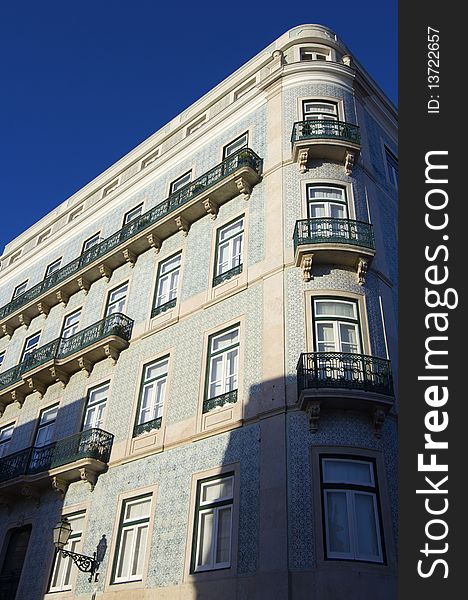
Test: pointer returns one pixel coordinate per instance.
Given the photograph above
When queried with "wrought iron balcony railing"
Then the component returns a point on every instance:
(146, 427)
(344, 370)
(222, 277)
(91, 443)
(326, 129)
(326, 230)
(116, 324)
(228, 398)
(243, 158)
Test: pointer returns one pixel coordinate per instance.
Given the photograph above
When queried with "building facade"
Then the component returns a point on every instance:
(197, 352)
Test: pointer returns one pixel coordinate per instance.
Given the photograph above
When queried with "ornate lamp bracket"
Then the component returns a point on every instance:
(87, 564)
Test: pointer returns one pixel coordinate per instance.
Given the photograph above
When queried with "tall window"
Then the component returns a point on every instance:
(152, 394)
(392, 166)
(180, 182)
(166, 284)
(30, 345)
(223, 364)
(20, 289)
(131, 545)
(212, 538)
(117, 299)
(96, 407)
(92, 241)
(45, 430)
(62, 569)
(133, 214)
(319, 110)
(229, 246)
(54, 266)
(351, 512)
(5, 439)
(71, 324)
(235, 145)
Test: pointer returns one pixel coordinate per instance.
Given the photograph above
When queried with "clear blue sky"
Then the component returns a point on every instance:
(82, 83)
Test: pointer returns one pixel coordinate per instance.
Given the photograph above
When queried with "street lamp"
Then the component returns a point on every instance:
(87, 564)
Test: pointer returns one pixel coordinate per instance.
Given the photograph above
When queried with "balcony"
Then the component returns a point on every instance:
(344, 381)
(335, 242)
(58, 360)
(235, 175)
(83, 456)
(325, 139)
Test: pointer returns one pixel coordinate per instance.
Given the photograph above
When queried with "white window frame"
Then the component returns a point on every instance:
(135, 525)
(55, 266)
(92, 241)
(329, 486)
(180, 182)
(49, 425)
(93, 404)
(314, 52)
(6, 433)
(111, 303)
(214, 507)
(73, 545)
(2, 358)
(234, 260)
(327, 202)
(132, 214)
(224, 354)
(168, 275)
(27, 348)
(65, 327)
(17, 293)
(237, 145)
(336, 320)
(320, 115)
(155, 410)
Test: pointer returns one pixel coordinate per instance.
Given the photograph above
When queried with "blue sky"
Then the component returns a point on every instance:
(83, 83)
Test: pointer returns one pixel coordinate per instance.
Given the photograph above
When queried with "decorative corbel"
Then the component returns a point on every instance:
(182, 225)
(154, 242)
(347, 60)
(313, 412)
(17, 397)
(85, 365)
(378, 419)
(24, 320)
(43, 308)
(361, 270)
(244, 187)
(129, 257)
(111, 353)
(88, 475)
(306, 266)
(105, 271)
(59, 376)
(349, 162)
(36, 386)
(7, 330)
(302, 158)
(211, 208)
(83, 284)
(62, 297)
(59, 485)
(277, 60)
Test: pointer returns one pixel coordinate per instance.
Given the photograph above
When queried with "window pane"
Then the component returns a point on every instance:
(216, 374)
(217, 490)
(347, 471)
(367, 538)
(137, 509)
(170, 264)
(329, 193)
(223, 540)
(156, 369)
(333, 308)
(231, 230)
(125, 553)
(225, 340)
(139, 556)
(337, 522)
(205, 537)
(349, 338)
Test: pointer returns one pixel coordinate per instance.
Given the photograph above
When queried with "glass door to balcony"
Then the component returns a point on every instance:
(43, 448)
(327, 212)
(321, 117)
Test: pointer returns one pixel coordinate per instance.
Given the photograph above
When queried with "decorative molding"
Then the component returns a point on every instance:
(35, 385)
(111, 353)
(347, 60)
(88, 475)
(43, 308)
(378, 419)
(350, 157)
(17, 397)
(85, 365)
(62, 297)
(306, 266)
(83, 284)
(129, 256)
(105, 271)
(182, 225)
(361, 270)
(24, 320)
(302, 159)
(59, 375)
(7, 330)
(59, 485)
(154, 242)
(244, 187)
(211, 208)
(313, 413)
